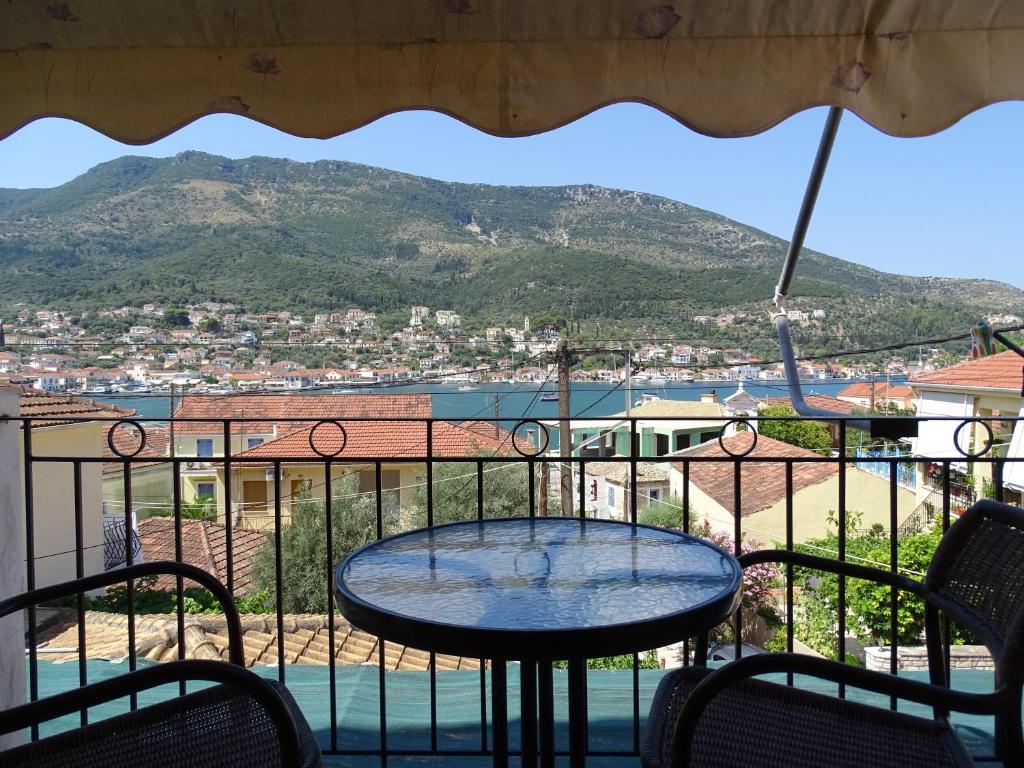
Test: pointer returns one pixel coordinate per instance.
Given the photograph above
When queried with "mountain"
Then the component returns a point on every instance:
(272, 233)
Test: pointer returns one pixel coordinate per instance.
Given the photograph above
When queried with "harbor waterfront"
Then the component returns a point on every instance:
(520, 400)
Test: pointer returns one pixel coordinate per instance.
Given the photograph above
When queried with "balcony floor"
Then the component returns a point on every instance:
(458, 712)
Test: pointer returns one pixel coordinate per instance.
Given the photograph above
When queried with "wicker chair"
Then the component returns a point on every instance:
(724, 718)
(243, 720)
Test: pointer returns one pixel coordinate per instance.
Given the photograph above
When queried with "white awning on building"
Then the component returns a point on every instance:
(935, 437)
(1013, 471)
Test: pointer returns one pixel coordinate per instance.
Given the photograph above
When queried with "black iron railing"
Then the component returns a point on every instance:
(513, 446)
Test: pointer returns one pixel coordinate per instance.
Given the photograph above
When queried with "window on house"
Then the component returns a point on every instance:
(682, 441)
(252, 442)
(206, 490)
(655, 494)
(593, 491)
(204, 448)
(611, 496)
(708, 436)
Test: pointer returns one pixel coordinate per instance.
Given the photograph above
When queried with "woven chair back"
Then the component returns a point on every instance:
(977, 575)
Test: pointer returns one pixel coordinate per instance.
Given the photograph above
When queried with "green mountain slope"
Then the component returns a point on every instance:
(270, 233)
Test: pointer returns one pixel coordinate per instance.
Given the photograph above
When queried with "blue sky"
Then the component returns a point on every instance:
(949, 204)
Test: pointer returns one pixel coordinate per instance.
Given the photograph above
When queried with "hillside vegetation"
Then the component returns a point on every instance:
(269, 233)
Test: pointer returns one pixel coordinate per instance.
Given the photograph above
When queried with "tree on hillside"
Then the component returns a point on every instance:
(812, 435)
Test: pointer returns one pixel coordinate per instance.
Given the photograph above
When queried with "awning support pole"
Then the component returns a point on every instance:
(796, 244)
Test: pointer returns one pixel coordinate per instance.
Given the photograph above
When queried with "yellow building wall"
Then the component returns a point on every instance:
(865, 493)
(152, 490)
(53, 501)
(314, 474)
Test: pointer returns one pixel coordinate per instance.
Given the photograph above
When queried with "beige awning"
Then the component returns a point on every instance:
(138, 69)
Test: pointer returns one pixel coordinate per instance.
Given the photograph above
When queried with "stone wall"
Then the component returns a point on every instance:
(915, 658)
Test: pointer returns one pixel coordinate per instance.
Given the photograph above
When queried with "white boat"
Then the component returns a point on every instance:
(645, 398)
(549, 397)
(467, 388)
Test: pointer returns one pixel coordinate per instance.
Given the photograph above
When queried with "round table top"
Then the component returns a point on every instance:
(538, 588)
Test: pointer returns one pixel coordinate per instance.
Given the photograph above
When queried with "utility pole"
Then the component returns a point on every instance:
(495, 401)
(629, 374)
(564, 434)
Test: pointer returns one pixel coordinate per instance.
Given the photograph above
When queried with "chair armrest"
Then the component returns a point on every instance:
(825, 669)
(119, 575)
(839, 567)
(25, 715)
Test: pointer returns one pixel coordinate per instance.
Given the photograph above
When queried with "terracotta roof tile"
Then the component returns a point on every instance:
(204, 545)
(1000, 371)
(388, 439)
(817, 401)
(306, 640)
(126, 440)
(762, 484)
(40, 405)
(275, 408)
(882, 389)
(678, 408)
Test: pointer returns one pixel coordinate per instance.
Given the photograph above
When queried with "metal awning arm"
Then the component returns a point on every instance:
(796, 244)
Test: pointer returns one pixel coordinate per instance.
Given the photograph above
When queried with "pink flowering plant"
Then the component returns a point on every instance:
(759, 584)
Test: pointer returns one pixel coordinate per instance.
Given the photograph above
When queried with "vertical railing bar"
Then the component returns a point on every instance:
(378, 482)
(30, 567)
(634, 452)
(179, 582)
(636, 702)
(382, 699)
(479, 489)
(129, 558)
(893, 567)
(842, 549)
(946, 519)
(737, 487)
(483, 705)
(329, 522)
(686, 529)
(789, 566)
(531, 486)
(583, 489)
(83, 675)
(430, 522)
(278, 574)
(633, 489)
(430, 472)
(228, 543)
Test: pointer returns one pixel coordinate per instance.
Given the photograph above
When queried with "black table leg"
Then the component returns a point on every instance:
(700, 653)
(577, 713)
(546, 690)
(528, 712)
(499, 713)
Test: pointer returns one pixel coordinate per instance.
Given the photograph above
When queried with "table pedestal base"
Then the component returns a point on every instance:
(537, 713)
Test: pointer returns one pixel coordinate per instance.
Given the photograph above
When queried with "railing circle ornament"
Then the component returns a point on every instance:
(988, 443)
(737, 454)
(326, 422)
(540, 449)
(117, 451)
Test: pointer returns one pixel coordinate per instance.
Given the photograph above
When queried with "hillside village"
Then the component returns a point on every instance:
(217, 347)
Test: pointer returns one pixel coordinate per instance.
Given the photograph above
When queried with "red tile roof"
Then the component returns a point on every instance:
(817, 401)
(39, 405)
(274, 408)
(389, 439)
(762, 484)
(126, 440)
(204, 545)
(1000, 371)
(882, 389)
(306, 639)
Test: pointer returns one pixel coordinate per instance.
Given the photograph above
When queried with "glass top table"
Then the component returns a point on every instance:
(540, 588)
